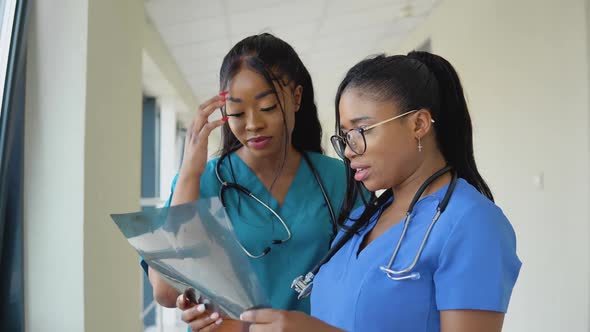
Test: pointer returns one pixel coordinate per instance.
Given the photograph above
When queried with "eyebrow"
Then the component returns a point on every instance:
(357, 120)
(258, 96)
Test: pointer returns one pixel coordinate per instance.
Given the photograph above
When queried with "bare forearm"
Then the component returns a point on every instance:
(187, 190)
(164, 294)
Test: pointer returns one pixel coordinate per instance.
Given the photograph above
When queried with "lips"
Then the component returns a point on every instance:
(259, 142)
(259, 139)
(361, 171)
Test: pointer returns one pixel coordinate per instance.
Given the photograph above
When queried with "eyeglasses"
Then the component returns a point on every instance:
(355, 138)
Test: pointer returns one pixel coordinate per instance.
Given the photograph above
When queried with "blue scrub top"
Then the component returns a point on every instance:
(469, 262)
(304, 210)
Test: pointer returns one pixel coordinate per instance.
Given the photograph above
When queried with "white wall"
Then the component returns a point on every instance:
(524, 66)
(82, 162)
(112, 163)
(54, 167)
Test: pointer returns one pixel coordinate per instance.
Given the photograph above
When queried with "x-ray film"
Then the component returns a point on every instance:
(194, 245)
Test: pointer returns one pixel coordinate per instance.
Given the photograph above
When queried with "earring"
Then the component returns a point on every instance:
(419, 145)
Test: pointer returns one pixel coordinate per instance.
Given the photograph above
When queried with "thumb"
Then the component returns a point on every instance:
(186, 300)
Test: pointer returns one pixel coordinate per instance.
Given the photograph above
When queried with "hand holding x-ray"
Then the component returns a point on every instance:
(193, 245)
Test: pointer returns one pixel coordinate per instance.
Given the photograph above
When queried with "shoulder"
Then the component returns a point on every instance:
(322, 161)
(211, 164)
(207, 177)
(476, 216)
(471, 203)
(330, 169)
(477, 264)
(332, 174)
(209, 181)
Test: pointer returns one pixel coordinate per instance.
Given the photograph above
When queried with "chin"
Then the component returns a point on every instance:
(269, 151)
(370, 185)
(374, 185)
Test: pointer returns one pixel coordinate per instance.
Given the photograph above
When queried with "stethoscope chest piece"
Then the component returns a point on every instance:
(303, 285)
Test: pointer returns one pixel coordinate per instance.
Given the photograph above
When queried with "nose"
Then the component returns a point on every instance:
(348, 153)
(254, 121)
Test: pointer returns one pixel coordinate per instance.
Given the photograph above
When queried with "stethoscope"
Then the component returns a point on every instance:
(232, 185)
(304, 284)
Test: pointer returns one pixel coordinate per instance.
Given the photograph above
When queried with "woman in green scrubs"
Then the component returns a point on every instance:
(272, 147)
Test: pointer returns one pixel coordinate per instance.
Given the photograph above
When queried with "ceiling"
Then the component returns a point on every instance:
(330, 36)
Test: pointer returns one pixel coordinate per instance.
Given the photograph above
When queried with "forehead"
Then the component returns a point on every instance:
(355, 106)
(246, 79)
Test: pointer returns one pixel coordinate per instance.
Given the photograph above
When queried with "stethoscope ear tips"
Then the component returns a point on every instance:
(266, 251)
(277, 242)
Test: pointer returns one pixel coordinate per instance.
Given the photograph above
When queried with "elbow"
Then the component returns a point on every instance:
(164, 295)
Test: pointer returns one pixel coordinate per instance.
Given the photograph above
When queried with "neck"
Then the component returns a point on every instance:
(405, 191)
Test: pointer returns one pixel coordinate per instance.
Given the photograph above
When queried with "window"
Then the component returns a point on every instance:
(7, 10)
(13, 17)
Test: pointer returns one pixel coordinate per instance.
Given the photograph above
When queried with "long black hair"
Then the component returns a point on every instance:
(275, 60)
(419, 80)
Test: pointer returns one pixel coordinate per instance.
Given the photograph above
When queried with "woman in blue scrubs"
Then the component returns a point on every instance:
(402, 119)
(270, 127)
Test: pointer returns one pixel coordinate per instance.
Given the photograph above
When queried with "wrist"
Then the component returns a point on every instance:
(189, 176)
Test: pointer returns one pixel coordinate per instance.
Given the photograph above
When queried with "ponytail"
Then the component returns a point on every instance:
(454, 132)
